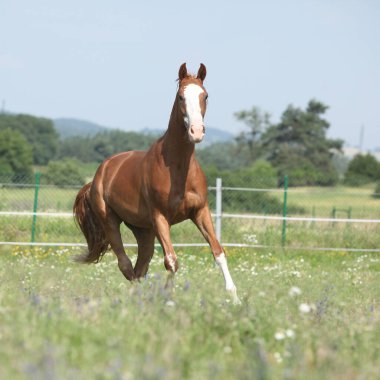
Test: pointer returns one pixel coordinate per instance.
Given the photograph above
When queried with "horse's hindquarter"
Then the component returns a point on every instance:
(119, 181)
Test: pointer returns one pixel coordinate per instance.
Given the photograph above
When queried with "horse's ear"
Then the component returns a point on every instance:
(182, 73)
(202, 72)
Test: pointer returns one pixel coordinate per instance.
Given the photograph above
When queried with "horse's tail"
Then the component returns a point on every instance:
(91, 227)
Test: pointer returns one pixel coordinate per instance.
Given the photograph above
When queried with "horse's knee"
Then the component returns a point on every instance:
(171, 263)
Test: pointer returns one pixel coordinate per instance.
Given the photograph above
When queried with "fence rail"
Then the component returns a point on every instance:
(315, 218)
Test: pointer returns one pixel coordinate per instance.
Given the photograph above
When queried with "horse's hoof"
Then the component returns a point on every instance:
(235, 298)
(236, 301)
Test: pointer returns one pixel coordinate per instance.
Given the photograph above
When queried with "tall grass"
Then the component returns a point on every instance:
(303, 316)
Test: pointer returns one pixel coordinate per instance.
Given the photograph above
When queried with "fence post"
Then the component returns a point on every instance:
(35, 204)
(284, 210)
(218, 211)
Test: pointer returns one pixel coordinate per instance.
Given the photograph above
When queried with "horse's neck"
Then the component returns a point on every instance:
(177, 148)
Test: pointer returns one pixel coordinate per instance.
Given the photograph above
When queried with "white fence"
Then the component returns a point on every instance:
(307, 218)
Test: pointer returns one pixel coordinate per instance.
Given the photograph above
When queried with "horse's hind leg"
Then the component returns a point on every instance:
(145, 242)
(162, 231)
(112, 229)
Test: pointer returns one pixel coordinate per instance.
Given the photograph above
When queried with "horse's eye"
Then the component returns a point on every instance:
(181, 98)
(206, 97)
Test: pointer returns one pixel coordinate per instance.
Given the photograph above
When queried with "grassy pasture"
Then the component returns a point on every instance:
(261, 232)
(304, 315)
(306, 234)
(49, 198)
(323, 199)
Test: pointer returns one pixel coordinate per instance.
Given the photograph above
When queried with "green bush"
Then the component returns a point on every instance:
(63, 173)
(376, 193)
(15, 156)
(362, 169)
(308, 175)
(260, 175)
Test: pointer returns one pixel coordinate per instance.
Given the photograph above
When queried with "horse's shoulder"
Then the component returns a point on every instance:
(197, 169)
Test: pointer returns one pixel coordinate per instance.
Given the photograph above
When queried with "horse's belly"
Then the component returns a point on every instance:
(131, 211)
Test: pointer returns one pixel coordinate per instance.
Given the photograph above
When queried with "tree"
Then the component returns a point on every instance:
(222, 155)
(298, 147)
(376, 193)
(362, 169)
(105, 144)
(257, 121)
(63, 173)
(259, 175)
(39, 132)
(15, 156)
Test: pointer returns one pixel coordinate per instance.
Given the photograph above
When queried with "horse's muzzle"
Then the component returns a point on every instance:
(196, 133)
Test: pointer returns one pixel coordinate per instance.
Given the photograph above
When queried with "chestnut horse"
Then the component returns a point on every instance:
(151, 190)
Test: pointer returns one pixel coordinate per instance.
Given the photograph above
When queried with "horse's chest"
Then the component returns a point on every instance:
(184, 201)
(180, 205)
(176, 194)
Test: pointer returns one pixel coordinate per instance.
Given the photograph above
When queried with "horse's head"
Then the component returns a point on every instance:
(192, 99)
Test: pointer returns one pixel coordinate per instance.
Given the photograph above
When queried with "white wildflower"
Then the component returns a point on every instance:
(304, 308)
(277, 357)
(290, 333)
(279, 335)
(295, 291)
(250, 238)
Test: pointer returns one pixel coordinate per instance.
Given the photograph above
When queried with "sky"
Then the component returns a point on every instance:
(115, 62)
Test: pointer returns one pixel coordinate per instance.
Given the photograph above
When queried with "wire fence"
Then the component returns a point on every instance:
(311, 218)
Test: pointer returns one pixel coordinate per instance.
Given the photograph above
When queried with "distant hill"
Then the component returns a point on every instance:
(67, 127)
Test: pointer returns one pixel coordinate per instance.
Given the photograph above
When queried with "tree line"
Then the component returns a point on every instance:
(296, 146)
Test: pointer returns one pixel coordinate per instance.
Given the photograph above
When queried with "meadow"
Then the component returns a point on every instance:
(313, 202)
(303, 315)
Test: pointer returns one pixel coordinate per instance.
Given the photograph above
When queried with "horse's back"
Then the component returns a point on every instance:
(119, 168)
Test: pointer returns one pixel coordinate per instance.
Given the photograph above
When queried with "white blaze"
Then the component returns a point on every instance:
(193, 108)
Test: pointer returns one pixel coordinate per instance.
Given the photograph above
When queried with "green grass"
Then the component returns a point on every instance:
(262, 232)
(317, 202)
(60, 320)
(49, 199)
(321, 200)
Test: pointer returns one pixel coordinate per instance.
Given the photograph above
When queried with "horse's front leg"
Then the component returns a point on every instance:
(162, 231)
(203, 221)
